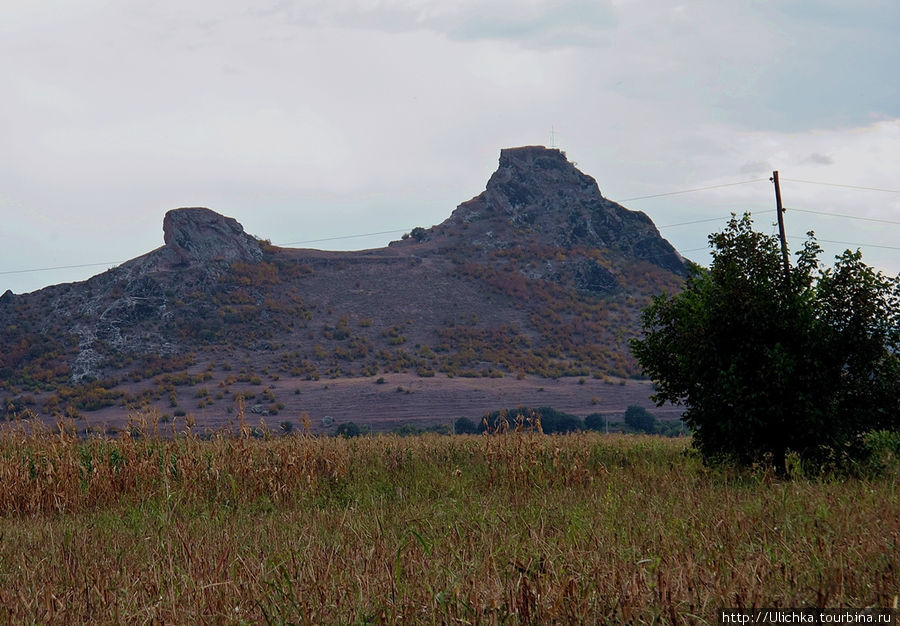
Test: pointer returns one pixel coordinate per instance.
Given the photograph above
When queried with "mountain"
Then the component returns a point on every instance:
(539, 275)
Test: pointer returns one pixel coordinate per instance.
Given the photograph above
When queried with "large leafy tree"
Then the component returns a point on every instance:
(767, 362)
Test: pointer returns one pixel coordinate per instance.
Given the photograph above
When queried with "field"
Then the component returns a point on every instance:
(401, 399)
(512, 528)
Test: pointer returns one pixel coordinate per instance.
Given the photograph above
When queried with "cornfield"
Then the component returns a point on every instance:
(512, 528)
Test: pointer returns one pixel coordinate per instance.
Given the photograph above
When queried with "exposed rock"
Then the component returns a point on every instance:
(592, 276)
(536, 193)
(516, 279)
(198, 235)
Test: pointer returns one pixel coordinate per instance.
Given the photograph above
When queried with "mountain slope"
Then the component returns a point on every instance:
(539, 274)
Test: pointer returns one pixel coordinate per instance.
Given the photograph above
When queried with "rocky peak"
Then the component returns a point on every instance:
(526, 174)
(536, 193)
(195, 235)
(526, 156)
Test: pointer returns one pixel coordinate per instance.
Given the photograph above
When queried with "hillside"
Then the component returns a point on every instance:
(539, 276)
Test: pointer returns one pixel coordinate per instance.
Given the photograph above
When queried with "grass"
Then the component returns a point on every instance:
(514, 528)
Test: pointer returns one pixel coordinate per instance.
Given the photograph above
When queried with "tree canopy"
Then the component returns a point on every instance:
(767, 362)
(640, 419)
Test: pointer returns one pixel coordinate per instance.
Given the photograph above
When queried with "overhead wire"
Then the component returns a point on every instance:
(711, 219)
(383, 232)
(60, 267)
(844, 215)
(848, 243)
(675, 193)
(632, 199)
(813, 182)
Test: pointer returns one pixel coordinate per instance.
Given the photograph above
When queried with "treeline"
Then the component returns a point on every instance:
(545, 419)
(548, 420)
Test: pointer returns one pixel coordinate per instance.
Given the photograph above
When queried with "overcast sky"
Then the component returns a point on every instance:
(319, 119)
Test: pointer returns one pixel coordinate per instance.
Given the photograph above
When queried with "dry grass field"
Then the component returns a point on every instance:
(514, 528)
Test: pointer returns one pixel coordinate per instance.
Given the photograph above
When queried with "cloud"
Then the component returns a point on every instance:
(311, 119)
(819, 159)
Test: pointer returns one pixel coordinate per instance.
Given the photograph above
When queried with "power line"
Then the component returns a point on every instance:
(675, 193)
(383, 232)
(711, 219)
(60, 267)
(843, 243)
(109, 263)
(850, 217)
(849, 243)
(658, 195)
(813, 182)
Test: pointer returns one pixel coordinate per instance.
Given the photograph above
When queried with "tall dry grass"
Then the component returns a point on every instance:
(512, 528)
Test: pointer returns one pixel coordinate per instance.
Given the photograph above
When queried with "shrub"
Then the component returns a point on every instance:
(465, 426)
(348, 430)
(551, 420)
(595, 421)
(638, 418)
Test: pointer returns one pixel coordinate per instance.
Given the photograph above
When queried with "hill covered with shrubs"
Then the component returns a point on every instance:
(537, 275)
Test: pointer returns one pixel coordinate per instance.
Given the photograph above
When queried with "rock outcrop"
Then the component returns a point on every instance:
(539, 274)
(195, 235)
(537, 194)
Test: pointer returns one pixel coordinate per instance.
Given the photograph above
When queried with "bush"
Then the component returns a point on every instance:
(465, 426)
(348, 430)
(595, 421)
(553, 421)
(408, 430)
(883, 450)
(639, 419)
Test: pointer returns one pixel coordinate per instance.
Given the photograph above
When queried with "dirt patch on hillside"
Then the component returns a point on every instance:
(404, 399)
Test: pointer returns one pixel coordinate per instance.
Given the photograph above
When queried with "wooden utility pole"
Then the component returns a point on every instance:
(784, 248)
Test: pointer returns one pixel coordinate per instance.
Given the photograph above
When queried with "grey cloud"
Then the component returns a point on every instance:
(819, 159)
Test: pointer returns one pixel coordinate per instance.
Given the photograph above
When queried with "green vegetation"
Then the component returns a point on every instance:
(350, 429)
(639, 419)
(548, 420)
(515, 528)
(767, 363)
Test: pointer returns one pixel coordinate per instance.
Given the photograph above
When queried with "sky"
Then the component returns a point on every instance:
(316, 122)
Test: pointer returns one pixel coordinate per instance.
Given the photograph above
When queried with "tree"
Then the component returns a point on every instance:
(595, 421)
(553, 421)
(767, 362)
(348, 430)
(465, 426)
(640, 419)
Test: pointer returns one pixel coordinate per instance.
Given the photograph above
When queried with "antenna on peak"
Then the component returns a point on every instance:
(552, 137)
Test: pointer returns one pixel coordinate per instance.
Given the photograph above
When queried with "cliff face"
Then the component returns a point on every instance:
(198, 235)
(536, 194)
(537, 274)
